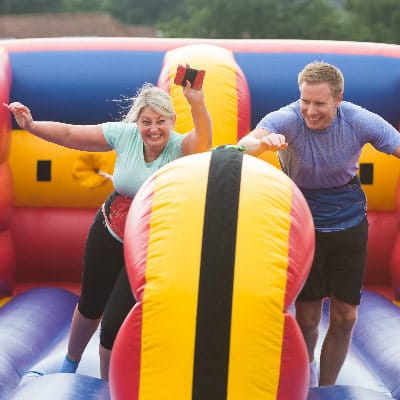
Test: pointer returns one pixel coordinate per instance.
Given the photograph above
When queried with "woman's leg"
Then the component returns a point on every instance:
(119, 305)
(82, 330)
(102, 262)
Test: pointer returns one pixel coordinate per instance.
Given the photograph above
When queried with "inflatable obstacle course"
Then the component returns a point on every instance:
(49, 195)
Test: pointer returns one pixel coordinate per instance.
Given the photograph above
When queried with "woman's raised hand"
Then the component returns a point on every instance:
(22, 115)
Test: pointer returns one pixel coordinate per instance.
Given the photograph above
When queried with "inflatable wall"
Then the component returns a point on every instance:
(49, 195)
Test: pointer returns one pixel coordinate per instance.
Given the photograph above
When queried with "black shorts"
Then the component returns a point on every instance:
(105, 285)
(339, 265)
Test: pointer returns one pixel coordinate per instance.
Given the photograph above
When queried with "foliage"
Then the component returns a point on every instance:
(258, 19)
(142, 12)
(374, 21)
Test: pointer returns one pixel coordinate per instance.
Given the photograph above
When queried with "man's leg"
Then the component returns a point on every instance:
(336, 344)
(308, 316)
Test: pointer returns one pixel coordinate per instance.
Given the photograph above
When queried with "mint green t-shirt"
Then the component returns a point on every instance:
(130, 169)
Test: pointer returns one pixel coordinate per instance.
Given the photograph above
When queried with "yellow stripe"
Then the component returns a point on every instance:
(260, 282)
(219, 86)
(172, 274)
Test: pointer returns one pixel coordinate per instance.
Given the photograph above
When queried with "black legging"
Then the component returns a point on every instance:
(105, 286)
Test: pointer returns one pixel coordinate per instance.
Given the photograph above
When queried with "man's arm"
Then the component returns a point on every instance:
(397, 152)
(260, 140)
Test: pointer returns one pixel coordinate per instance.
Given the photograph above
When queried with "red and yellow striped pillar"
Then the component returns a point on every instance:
(225, 88)
(217, 247)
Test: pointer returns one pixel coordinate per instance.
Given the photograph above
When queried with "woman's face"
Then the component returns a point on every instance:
(155, 130)
(318, 105)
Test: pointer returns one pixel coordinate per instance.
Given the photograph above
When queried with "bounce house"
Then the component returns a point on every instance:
(214, 318)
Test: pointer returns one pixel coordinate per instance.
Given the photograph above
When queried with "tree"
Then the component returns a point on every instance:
(142, 12)
(374, 21)
(316, 19)
(84, 5)
(307, 19)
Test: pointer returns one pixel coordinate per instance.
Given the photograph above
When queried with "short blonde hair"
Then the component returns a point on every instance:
(153, 97)
(322, 72)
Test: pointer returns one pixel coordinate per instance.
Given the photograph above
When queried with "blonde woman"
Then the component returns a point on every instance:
(144, 141)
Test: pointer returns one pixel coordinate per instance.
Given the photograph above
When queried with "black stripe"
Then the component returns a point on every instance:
(211, 358)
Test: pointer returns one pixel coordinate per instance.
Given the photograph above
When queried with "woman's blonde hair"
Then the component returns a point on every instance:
(322, 72)
(153, 97)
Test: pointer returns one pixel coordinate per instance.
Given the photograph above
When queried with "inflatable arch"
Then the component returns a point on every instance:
(48, 195)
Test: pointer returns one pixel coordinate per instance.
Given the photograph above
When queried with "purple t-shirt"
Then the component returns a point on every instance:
(328, 158)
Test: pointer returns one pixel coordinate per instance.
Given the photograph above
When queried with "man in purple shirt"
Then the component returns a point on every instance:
(319, 139)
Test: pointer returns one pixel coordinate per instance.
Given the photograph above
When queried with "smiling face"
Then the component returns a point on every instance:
(155, 130)
(318, 105)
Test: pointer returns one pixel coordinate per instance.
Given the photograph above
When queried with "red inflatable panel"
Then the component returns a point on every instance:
(383, 228)
(49, 243)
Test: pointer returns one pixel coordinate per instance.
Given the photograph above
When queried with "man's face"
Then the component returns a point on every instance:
(318, 105)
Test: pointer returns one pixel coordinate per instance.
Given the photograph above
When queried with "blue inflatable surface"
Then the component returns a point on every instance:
(34, 328)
